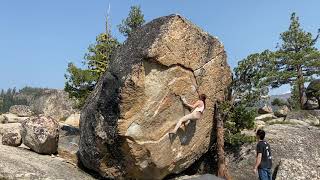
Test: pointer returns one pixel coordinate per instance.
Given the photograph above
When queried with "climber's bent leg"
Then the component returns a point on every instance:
(192, 116)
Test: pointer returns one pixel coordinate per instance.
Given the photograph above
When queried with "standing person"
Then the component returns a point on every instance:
(196, 114)
(263, 159)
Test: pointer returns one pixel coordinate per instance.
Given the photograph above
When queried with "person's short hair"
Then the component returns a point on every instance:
(261, 134)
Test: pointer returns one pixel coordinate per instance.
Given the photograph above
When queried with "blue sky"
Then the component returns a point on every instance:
(38, 38)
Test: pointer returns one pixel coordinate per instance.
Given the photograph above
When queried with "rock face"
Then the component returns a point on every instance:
(295, 153)
(12, 139)
(125, 121)
(73, 120)
(21, 110)
(53, 103)
(265, 110)
(311, 117)
(41, 134)
(19, 163)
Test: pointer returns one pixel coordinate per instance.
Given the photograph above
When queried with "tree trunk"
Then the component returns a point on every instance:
(222, 168)
(300, 86)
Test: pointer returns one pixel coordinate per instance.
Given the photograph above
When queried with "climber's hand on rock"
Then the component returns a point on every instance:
(183, 99)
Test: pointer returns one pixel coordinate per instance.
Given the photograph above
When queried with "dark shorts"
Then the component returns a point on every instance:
(264, 174)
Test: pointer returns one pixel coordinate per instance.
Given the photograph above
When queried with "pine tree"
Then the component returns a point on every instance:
(80, 82)
(134, 20)
(295, 61)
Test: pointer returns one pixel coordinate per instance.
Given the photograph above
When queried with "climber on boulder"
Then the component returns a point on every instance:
(196, 114)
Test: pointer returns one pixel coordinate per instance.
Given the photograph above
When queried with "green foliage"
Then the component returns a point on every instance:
(237, 118)
(32, 91)
(134, 20)
(80, 82)
(242, 117)
(250, 83)
(100, 54)
(279, 102)
(233, 141)
(295, 62)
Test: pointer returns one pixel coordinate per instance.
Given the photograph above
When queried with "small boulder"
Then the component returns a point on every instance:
(311, 104)
(41, 134)
(9, 128)
(21, 110)
(282, 112)
(12, 139)
(73, 120)
(265, 110)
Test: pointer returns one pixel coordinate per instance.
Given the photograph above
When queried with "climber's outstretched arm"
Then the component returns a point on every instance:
(191, 106)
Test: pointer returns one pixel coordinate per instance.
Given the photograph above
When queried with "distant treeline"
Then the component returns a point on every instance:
(12, 96)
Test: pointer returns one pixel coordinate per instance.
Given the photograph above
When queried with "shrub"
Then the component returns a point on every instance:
(278, 102)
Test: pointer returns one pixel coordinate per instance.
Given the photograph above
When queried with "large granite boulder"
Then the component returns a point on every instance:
(125, 121)
(41, 134)
(21, 110)
(295, 153)
(54, 103)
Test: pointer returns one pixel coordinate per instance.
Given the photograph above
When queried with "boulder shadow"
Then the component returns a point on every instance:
(186, 135)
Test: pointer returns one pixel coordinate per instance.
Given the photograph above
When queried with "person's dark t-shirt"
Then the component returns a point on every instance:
(266, 160)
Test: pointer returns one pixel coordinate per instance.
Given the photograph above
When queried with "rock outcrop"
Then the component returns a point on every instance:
(313, 93)
(125, 121)
(20, 163)
(295, 153)
(12, 139)
(282, 111)
(304, 117)
(73, 120)
(53, 103)
(265, 110)
(21, 110)
(41, 134)
(311, 104)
